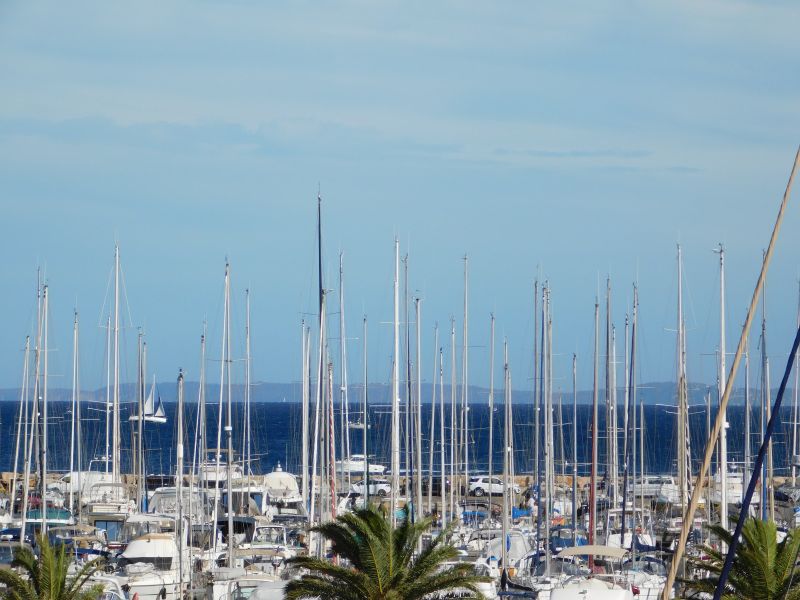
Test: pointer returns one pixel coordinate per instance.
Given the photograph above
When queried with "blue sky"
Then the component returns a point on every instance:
(571, 141)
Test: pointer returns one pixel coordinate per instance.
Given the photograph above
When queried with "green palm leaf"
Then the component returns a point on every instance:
(762, 568)
(47, 577)
(381, 563)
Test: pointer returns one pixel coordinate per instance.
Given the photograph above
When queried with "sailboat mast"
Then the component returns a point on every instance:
(491, 403)
(396, 387)
(536, 400)
(179, 482)
(246, 441)
(593, 486)
(43, 447)
(117, 438)
(432, 444)
(109, 406)
(548, 428)
(318, 426)
(609, 384)
(612, 430)
(345, 433)
(408, 475)
(747, 412)
(574, 449)
(682, 458)
(22, 419)
(304, 373)
(34, 413)
(454, 485)
(465, 377)
(418, 406)
(229, 418)
(73, 409)
(507, 449)
(365, 416)
(442, 453)
(723, 432)
(138, 451)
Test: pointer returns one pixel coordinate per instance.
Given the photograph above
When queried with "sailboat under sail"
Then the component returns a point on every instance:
(153, 408)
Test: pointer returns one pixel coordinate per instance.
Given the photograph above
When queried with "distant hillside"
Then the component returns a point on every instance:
(649, 393)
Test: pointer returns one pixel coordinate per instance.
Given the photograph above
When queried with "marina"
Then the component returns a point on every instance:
(399, 301)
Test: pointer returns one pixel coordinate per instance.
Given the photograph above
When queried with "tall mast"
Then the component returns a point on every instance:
(548, 419)
(609, 384)
(442, 438)
(593, 487)
(491, 403)
(343, 377)
(465, 376)
(73, 410)
(331, 446)
(246, 439)
(541, 398)
(319, 399)
(318, 426)
(407, 475)
(632, 393)
(179, 483)
(432, 444)
(747, 411)
(365, 416)
(109, 405)
(138, 450)
(34, 433)
(682, 455)
(453, 422)
(723, 432)
(766, 407)
(507, 450)
(626, 402)
(418, 407)
(226, 363)
(304, 376)
(117, 438)
(45, 319)
(22, 419)
(574, 449)
(613, 434)
(536, 400)
(396, 387)
(200, 433)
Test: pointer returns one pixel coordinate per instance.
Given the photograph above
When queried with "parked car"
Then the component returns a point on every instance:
(482, 485)
(377, 487)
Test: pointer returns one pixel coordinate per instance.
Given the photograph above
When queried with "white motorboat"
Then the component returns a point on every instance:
(357, 463)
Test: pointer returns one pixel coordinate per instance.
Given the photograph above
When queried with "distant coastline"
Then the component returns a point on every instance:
(652, 393)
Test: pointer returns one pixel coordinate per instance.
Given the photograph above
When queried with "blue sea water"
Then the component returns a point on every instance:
(276, 436)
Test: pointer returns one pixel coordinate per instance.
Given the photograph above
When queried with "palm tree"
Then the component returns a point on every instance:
(381, 563)
(46, 577)
(762, 568)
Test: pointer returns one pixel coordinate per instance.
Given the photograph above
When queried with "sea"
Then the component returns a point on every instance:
(275, 437)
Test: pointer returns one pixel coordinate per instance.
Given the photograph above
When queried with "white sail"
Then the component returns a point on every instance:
(153, 408)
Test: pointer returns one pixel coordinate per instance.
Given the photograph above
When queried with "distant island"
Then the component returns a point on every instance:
(648, 393)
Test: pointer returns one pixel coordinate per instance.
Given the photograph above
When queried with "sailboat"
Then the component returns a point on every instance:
(153, 409)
